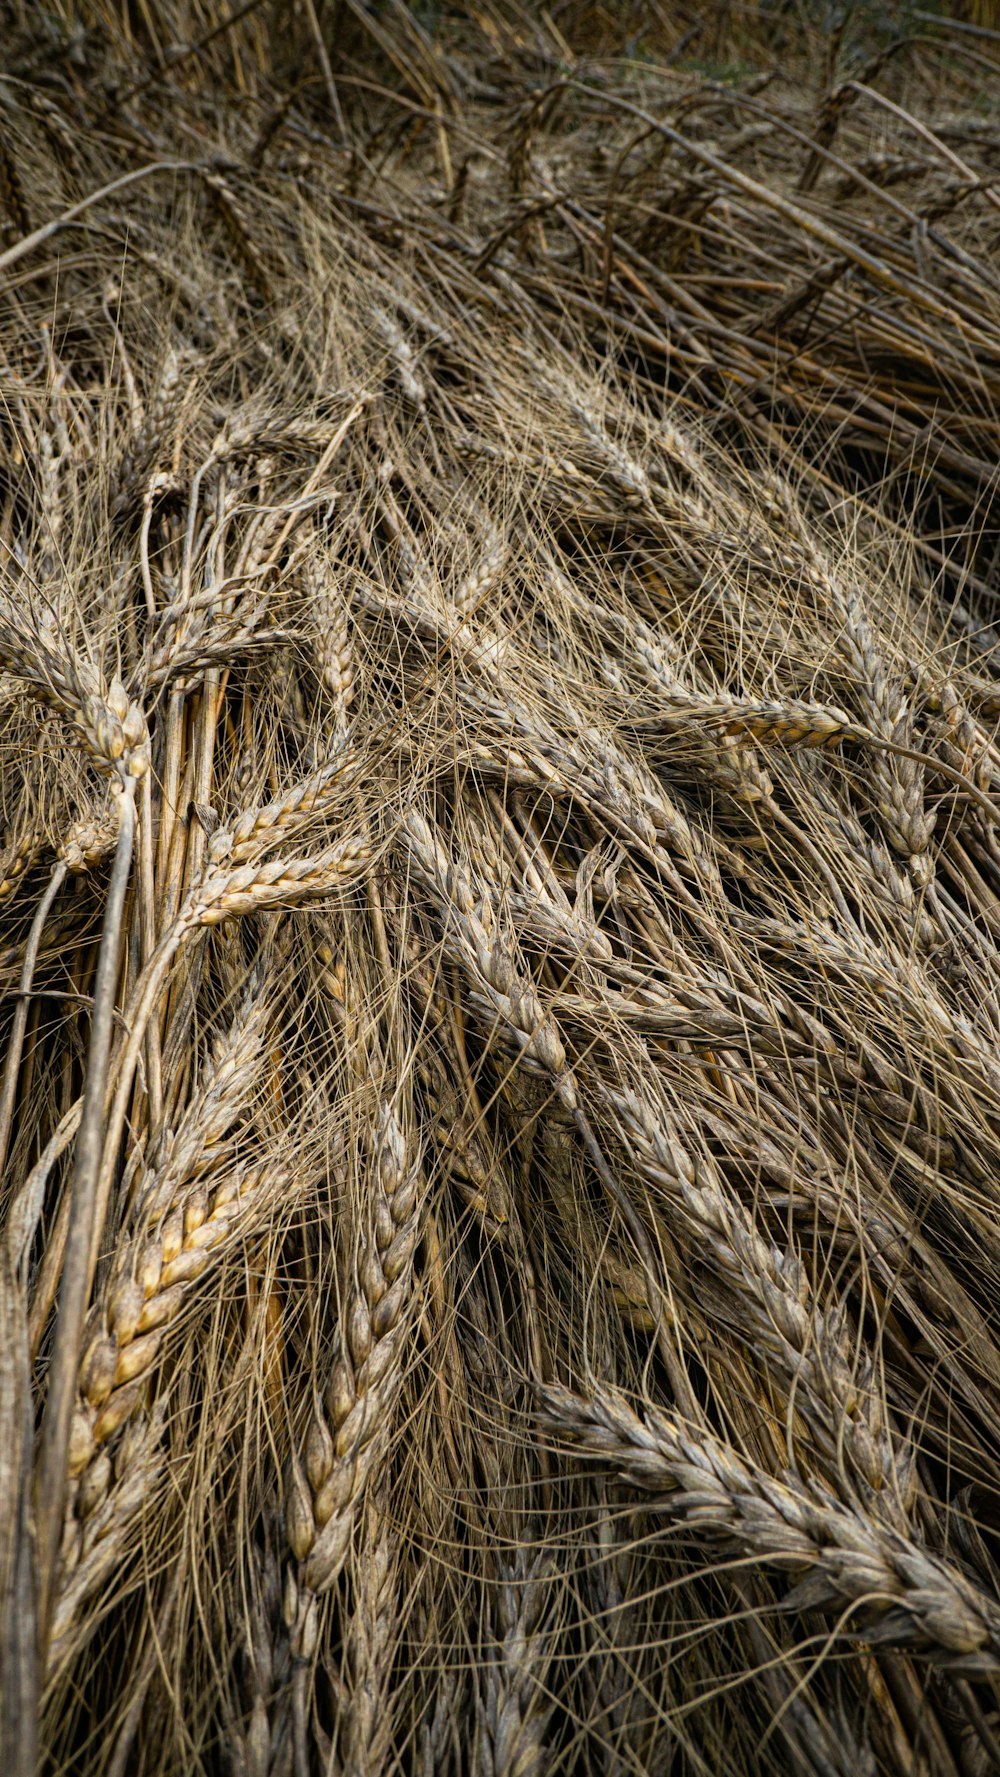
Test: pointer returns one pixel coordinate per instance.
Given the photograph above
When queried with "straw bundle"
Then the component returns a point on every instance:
(499, 891)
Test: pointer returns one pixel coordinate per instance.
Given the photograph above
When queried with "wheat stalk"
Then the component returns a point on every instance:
(85, 1210)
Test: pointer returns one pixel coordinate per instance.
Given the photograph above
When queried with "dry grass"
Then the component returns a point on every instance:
(499, 891)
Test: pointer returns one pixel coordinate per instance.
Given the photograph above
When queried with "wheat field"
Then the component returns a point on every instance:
(499, 889)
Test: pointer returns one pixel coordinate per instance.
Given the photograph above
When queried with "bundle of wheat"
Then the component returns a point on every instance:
(499, 891)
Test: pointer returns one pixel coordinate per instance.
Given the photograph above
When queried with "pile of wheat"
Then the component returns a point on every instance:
(499, 892)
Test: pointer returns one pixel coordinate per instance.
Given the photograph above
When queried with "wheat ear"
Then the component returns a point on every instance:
(371, 1636)
(347, 1436)
(257, 828)
(514, 1709)
(110, 725)
(900, 1594)
(471, 934)
(809, 1348)
(218, 895)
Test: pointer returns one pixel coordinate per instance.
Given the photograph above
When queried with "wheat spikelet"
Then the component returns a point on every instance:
(590, 766)
(158, 1267)
(622, 471)
(871, 854)
(517, 1634)
(651, 657)
(438, 1735)
(203, 1143)
(900, 781)
(52, 507)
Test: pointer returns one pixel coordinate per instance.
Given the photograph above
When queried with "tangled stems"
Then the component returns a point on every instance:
(51, 1481)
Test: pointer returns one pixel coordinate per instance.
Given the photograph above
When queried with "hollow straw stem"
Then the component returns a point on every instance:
(22, 1221)
(16, 1042)
(19, 1671)
(51, 1473)
(138, 1015)
(147, 926)
(38, 236)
